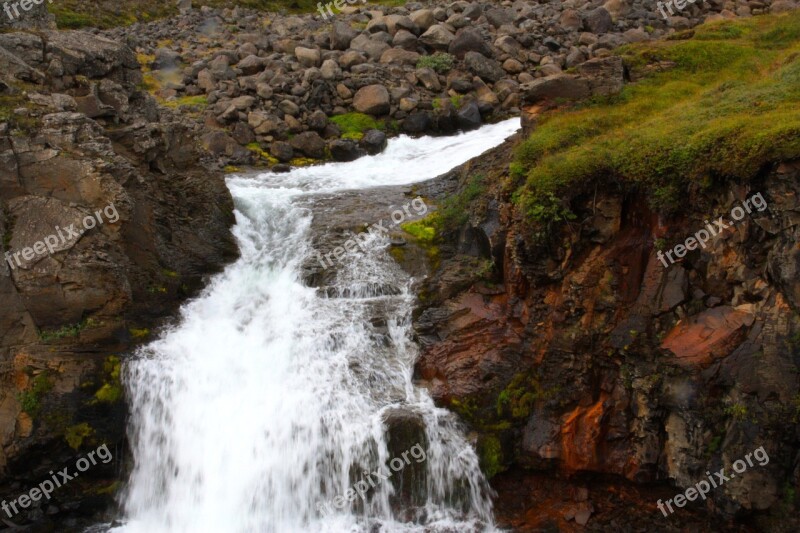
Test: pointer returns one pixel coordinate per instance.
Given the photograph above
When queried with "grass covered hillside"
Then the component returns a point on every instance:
(111, 13)
(715, 103)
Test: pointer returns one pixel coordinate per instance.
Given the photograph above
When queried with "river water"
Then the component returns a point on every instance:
(273, 406)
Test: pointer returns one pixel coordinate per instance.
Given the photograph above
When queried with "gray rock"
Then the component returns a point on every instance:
(483, 67)
(372, 100)
(469, 40)
(499, 16)
(308, 57)
(341, 35)
(598, 20)
(282, 151)
(469, 116)
(345, 150)
(429, 79)
(555, 86)
(437, 37)
(374, 141)
(399, 56)
(310, 144)
(423, 18)
(405, 39)
(373, 48)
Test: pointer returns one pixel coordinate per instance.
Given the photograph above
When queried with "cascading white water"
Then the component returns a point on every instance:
(269, 399)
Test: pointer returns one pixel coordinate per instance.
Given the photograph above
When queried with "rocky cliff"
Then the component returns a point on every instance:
(80, 142)
(598, 377)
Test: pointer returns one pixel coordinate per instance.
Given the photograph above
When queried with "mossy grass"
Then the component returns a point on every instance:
(75, 14)
(728, 104)
(75, 435)
(441, 62)
(353, 125)
(111, 390)
(30, 400)
(70, 330)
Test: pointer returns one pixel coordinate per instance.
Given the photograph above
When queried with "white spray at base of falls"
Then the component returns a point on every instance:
(270, 397)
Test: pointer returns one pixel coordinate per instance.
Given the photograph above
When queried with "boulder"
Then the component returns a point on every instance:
(308, 57)
(372, 47)
(341, 35)
(405, 39)
(555, 86)
(499, 16)
(437, 37)
(166, 59)
(469, 117)
(418, 122)
(374, 141)
(598, 20)
(310, 144)
(469, 40)
(372, 100)
(423, 18)
(251, 64)
(399, 56)
(483, 67)
(282, 151)
(345, 150)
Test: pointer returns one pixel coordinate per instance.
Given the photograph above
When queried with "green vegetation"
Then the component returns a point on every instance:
(730, 104)
(453, 211)
(260, 152)
(197, 102)
(73, 14)
(520, 394)
(75, 435)
(111, 390)
(490, 452)
(737, 411)
(71, 330)
(353, 125)
(31, 400)
(441, 62)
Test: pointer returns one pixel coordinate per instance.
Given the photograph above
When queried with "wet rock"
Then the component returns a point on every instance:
(374, 141)
(345, 150)
(309, 144)
(469, 117)
(282, 151)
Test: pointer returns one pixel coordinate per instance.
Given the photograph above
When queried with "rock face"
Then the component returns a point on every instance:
(585, 354)
(132, 221)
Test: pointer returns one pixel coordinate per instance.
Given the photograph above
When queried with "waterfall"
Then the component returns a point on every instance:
(272, 406)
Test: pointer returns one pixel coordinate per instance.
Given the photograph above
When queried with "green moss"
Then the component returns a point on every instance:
(730, 105)
(75, 435)
(355, 123)
(520, 395)
(111, 390)
(353, 135)
(230, 169)
(467, 408)
(490, 452)
(139, 333)
(424, 230)
(440, 62)
(72, 330)
(302, 161)
(454, 212)
(31, 400)
(197, 102)
(260, 152)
